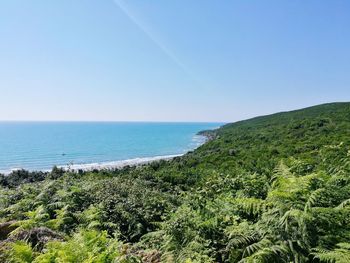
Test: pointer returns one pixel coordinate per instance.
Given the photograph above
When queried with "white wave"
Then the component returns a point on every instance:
(6, 172)
(117, 164)
(197, 141)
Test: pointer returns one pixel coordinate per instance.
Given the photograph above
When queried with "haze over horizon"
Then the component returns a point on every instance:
(118, 60)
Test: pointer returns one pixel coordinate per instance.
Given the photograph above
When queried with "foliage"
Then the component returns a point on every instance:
(270, 189)
(82, 247)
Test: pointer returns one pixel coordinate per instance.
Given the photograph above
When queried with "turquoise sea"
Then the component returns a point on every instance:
(41, 145)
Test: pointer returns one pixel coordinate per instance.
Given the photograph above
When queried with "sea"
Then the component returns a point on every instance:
(41, 145)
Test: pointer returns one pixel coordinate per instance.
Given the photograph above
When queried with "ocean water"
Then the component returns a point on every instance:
(41, 145)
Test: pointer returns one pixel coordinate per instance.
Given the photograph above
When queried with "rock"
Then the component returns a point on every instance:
(37, 237)
(6, 228)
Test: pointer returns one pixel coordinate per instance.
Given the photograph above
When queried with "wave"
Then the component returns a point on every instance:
(196, 142)
(117, 164)
(105, 165)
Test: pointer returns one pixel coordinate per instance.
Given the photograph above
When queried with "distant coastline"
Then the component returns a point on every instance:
(119, 164)
(206, 135)
(112, 165)
(40, 146)
(108, 165)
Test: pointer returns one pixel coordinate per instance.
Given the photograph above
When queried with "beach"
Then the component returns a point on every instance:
(39, 146)
(116, 164)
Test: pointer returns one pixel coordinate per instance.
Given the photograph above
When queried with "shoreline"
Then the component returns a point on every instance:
(108, 165)
(133, 162)
(118, 164)
(112, 165)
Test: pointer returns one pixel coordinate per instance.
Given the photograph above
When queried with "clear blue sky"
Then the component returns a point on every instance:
(183, 60)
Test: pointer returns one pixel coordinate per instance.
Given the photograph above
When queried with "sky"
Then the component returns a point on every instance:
(183, 60)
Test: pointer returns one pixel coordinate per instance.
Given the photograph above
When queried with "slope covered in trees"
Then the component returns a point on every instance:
(270, 189)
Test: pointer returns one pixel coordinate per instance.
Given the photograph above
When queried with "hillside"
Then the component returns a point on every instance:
(274, 188)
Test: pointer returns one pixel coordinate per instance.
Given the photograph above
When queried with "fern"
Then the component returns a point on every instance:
(340, 254)
(343, 204)
(314, 196)
(253, 248)
(252, 206)
(21, 252)
(34, 218)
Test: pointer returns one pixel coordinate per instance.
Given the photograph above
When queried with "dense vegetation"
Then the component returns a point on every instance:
(269, 189)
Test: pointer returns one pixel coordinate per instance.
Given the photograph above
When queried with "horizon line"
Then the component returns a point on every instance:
(114, 121)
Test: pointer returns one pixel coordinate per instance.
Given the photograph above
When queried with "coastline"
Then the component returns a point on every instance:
(109, 165)
(112, 165)
(119, 164)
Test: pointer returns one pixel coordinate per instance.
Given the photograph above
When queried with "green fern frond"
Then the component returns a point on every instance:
(253, 248)
(343, 204)
(315, 195)
(243, 240)
(252, 206)
(21, 252)
(340, 254)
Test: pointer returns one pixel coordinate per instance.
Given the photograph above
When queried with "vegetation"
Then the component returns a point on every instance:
(269, 189)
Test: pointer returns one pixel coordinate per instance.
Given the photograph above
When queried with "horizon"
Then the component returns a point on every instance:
(174, 131)
(112, 121)
(167, 122)
(130, 61)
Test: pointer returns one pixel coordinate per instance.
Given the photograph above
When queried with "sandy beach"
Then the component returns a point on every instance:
(116, 164)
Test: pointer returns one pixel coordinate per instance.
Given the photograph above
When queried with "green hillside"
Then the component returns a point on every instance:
(274, 188)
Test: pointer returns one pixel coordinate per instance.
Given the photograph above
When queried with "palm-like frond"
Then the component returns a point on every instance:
(315, 195)
(253, 248)
(264, 251)
(253, 206)
(340, 254)
(343, 204)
